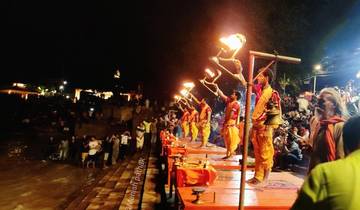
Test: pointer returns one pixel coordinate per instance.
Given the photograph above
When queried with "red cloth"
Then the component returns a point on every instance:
(329, 135)
(195, 176)
(275, 97)
(176, 150)
(257, 90)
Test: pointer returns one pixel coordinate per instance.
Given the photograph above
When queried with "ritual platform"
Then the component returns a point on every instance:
(278, 194)
(192, 167)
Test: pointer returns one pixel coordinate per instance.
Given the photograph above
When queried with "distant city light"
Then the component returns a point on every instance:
(117, 74)
(92, 109)
(65, 82)
(20, 85)
(61, 87)
(67, 97)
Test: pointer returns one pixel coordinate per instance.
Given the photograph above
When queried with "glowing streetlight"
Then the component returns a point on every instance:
(234, 41)
(317, 67)
(65, 82)
(61, 87)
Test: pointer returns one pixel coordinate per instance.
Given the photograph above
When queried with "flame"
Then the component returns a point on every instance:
(234, 41)
(189, 84)
(184, 92)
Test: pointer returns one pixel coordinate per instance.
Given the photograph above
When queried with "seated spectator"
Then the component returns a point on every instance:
(303, 139)
(279, 144)
(291, 154)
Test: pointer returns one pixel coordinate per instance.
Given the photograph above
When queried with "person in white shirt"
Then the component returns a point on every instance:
(140, 130)
(94, 148)
(125, 137)
(303, 103)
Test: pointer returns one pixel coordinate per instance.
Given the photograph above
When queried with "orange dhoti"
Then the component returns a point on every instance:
(185, 129)
(194, 131)
(261, 136)
(231, 137)
(205, 133)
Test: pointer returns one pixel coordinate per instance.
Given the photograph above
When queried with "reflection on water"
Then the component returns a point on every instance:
(29, 183)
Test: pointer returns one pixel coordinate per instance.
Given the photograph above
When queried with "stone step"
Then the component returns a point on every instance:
(151, 198)
(113, 190)
(134, 191)
(83, 200)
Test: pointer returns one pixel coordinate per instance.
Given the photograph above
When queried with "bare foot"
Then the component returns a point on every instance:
(226, 157)
(253, 181)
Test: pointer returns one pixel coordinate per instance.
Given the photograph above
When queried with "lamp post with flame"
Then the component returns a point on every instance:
(233, 43)
(186, 92)
(210, 75)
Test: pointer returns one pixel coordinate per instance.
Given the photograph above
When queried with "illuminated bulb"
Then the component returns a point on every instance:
(317, 67)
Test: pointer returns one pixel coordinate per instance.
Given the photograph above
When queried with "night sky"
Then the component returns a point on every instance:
(156, 43)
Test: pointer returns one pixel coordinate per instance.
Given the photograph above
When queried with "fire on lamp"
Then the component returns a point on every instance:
(211, 74)
(234, 41)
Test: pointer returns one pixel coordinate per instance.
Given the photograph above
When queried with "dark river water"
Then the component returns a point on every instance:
(29, 183)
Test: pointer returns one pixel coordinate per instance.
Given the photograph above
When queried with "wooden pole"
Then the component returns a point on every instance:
(246, 131)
